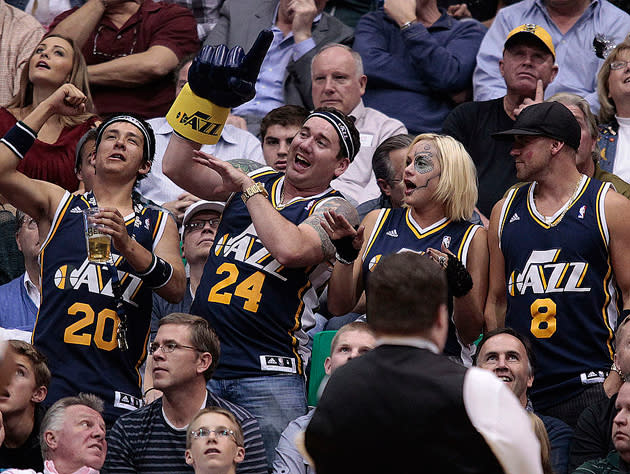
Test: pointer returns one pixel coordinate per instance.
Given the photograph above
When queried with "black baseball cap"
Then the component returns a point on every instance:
(547, 119)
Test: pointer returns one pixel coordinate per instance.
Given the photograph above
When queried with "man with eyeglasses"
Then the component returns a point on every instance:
(199, 227)
(214, 442)
(185, 353)
(19, 299)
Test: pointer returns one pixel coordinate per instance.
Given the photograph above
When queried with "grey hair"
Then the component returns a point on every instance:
(358, 62)
(569, 99)
(53, 420)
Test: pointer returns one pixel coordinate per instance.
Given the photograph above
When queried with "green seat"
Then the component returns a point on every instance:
(321, 350)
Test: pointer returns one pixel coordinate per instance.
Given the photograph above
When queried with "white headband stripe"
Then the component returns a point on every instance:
(342, 131)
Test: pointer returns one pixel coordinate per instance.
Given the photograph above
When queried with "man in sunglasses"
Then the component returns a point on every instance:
(185, 353)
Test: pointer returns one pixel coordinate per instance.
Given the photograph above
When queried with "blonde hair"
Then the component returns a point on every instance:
(457, 189)
(607, 105)
(543, 439)
(78, 78)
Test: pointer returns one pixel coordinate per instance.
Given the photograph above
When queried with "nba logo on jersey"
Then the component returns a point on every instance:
(446, 241)
(582, 212)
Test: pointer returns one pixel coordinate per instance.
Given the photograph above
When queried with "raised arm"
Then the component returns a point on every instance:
(39, 199)
(496, 303)
(218, 80)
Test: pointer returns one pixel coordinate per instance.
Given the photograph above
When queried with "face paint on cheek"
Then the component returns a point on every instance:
(423, 162)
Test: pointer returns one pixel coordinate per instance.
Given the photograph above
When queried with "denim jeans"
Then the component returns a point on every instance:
(275, 400)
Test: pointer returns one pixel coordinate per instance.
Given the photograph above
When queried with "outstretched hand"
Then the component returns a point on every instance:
(233, 179)
(337, 227)
(228, 78)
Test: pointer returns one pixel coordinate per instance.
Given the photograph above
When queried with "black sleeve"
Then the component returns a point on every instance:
(592, 436)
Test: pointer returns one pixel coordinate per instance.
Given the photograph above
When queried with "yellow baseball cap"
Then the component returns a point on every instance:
(531, 29)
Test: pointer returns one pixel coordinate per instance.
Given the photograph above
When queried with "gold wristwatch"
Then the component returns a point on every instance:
(257, 188)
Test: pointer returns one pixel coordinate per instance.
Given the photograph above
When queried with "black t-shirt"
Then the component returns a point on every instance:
(473, 124)
(29, 455)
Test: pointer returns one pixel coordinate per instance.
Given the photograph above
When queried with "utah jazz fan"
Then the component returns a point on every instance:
(559, 250)
(93, 320)
(270, 253)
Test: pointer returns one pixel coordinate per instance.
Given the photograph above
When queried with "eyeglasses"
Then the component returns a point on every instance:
(96, 51)
(199, 224)
(616, 65)
(168, 347)
(219, 432)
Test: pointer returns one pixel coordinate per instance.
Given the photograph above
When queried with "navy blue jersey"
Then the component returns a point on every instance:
(395, 231)
(560, 288)
(259, 309)
(77, 321)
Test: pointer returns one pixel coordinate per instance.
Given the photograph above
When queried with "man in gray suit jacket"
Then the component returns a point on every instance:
(300, 29)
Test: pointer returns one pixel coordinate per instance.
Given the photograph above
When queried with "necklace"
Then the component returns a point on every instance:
(566, 207)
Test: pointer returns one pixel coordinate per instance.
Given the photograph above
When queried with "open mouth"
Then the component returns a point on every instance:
(626, 80)
(117, 156)
(212, 451)
(409, 186)
(42, 64)
(301, 161)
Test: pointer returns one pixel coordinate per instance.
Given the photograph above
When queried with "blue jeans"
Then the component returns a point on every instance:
(275, 400)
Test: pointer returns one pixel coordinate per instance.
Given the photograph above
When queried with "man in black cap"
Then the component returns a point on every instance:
(559, 262)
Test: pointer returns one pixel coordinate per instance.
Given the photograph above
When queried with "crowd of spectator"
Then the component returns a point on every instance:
(447, 181)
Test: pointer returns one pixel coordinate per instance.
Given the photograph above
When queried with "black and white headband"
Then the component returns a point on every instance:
(149, 143)
(351, 149)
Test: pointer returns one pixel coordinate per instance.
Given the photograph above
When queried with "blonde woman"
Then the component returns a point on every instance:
(440, 194)
(54, 61)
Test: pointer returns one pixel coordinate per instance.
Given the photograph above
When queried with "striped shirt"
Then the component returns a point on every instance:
(144, 442)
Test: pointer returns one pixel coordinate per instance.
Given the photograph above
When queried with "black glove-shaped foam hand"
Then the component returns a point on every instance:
(228, 78)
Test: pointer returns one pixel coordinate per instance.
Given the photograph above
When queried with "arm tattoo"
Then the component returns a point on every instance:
(342, 208)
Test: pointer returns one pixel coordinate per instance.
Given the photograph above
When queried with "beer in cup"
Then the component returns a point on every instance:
(98, 243)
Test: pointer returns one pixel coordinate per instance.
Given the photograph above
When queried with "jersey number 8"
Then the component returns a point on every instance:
(543, 318)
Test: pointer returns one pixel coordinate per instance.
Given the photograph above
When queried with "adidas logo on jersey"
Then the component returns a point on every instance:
(515, 218)
(76, 210)
(392, 233)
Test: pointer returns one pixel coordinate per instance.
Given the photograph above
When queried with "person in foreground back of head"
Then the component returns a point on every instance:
(406, 397)
(72, 437)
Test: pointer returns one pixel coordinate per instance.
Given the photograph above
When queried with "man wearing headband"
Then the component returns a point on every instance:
(269, 258)
(83, 304)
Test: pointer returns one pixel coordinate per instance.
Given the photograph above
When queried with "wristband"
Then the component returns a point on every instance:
(458, 279)
(346, 253)
(19, 139)
(197, 119)
(158, 274)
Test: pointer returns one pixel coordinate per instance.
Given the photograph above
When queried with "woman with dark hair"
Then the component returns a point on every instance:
(54, 62)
